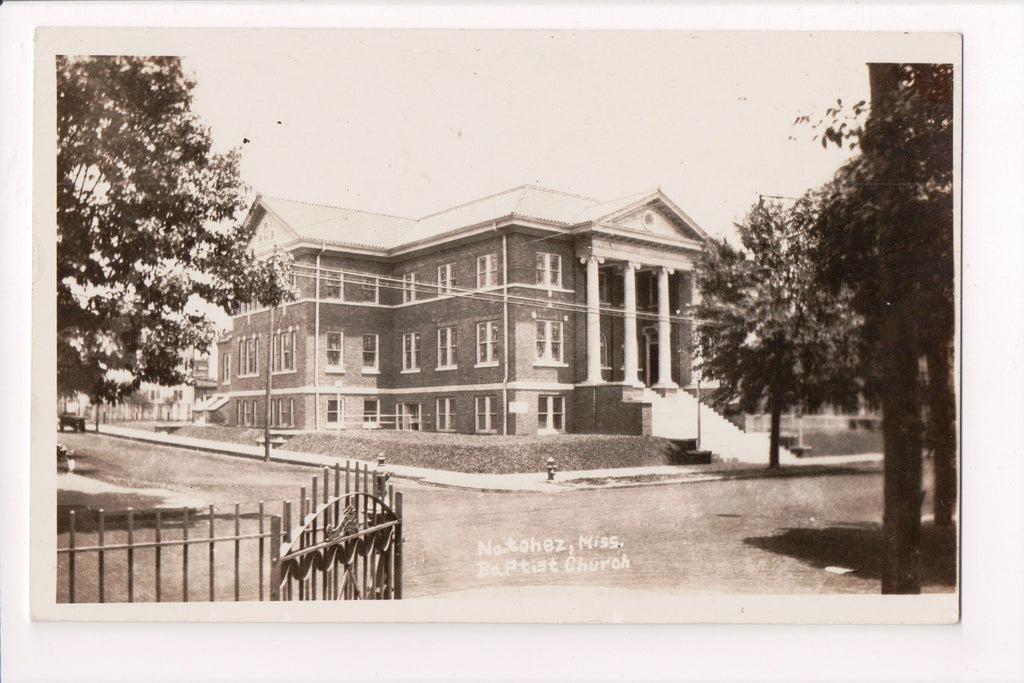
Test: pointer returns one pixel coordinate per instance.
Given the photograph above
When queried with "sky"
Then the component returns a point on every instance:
(411, 122)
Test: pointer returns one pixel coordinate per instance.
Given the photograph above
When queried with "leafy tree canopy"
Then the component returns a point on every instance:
(767, 332)
(886, 233)
(886, 227)
(145, 227)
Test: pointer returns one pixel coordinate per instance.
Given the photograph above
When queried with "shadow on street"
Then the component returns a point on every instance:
(862, 549)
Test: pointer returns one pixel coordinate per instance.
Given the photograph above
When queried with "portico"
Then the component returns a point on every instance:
(635, 305)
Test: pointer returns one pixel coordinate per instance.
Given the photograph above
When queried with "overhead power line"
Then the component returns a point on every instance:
(395, 283)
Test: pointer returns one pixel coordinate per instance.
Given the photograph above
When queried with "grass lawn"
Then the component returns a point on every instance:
(464, 452)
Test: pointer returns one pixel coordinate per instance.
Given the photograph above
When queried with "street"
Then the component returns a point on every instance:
(784, 534)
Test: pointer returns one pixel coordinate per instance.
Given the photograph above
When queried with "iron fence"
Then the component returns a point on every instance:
(348, 542)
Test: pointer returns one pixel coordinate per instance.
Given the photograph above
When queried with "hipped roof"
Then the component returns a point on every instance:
(337, 225)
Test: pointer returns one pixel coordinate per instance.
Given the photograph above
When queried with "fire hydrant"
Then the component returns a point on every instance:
(551, 469)
(380, 477)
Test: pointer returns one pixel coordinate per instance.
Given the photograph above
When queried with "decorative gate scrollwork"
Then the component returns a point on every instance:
(345, 548)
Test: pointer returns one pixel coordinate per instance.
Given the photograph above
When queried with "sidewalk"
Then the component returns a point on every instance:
(527, 481)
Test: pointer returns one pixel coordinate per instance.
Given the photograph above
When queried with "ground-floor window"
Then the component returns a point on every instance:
(371, 411)
(407, 416)
(282, 412)
(335, 412)
(246, 413)
(486, 413)
(445, 415)
(551, 413)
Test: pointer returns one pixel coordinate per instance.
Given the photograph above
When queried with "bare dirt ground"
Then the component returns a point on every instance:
(810, 534)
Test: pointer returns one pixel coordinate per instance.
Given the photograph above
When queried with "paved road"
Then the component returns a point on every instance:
(798, 534)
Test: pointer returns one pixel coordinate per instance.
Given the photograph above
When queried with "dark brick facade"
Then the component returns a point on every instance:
(540, 393)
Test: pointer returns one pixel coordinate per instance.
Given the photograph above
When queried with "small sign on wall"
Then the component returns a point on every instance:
(518, 406)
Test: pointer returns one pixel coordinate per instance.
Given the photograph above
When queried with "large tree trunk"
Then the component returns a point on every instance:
(941, 432)
(901, 571)
(773, 442)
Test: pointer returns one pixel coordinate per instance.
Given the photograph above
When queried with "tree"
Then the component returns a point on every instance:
(886, 231)
(766, 332)
(145, 227)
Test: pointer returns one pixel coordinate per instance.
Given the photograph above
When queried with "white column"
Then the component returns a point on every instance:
(593, 320)
(664, 332)
(630, 345)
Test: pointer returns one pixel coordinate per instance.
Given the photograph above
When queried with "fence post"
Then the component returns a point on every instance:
(71, 555)
(275, 557)
(398, 546)
(101, 569)
(131, 555)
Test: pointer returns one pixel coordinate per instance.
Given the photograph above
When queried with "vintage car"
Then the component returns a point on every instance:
(75, 422)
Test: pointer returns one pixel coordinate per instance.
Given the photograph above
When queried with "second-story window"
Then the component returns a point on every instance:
(549, 269)
(488, 342)
(445, 279)
(410, 351)
(487, 271)
(369, 288)
(549, 341)
(371, 359)
(409, 287)
(447, 338)
(225, 371)
(331, 285)
(283, 352)
(335, 342)
(248, 353)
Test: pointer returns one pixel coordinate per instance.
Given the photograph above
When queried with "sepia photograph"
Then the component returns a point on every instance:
(477, 318)
(572, 344)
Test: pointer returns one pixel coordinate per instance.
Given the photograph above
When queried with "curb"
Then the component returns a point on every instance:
(437, 477)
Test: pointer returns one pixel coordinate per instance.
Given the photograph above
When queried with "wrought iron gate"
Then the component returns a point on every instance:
(345, 547)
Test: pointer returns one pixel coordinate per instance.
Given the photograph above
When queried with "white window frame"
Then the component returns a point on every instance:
(408, 417)
(489, 413)
(549, 269)
(374, 416)
(248, 357)
(487, 270)
(281, 341)
(225, 369)
(370, 283)
(445, 279)
(411, 352)
(447, 348)
(548, 351)
(445, 414)
(375, 368)
(338, 367)
(276, 411)
(488, 347)
(339, 412)
(332, 280)
(546, 413)
(409, 281)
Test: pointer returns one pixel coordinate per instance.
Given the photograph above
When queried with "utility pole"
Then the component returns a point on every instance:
(270, 357)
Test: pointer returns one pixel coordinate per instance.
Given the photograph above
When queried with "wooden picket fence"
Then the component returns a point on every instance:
(347, 542)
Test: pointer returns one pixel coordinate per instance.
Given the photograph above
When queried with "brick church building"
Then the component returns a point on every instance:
(529, 311)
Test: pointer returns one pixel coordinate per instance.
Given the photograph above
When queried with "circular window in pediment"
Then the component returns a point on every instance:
(648, 219)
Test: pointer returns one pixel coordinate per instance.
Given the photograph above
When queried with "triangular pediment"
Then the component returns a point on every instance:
(656, 218)
(270, 229)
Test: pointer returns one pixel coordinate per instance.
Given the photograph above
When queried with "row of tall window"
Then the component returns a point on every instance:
(332, 284)
(550, 348)
(282, 413)
(409, 416)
